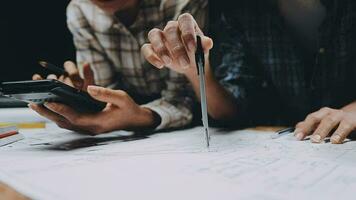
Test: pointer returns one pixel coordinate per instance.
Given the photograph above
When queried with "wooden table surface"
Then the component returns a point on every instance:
(7, 193)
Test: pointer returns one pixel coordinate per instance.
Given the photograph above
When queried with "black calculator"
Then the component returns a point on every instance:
(41, 91)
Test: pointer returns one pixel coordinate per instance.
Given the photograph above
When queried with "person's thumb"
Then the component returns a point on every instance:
(116, 97)
(88, 76)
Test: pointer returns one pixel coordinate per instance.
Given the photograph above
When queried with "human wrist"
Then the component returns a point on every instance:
(350, 108)
(191, 74)
(148, 119)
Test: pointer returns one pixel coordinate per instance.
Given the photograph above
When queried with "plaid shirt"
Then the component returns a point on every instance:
(113, 51)
(269, 73)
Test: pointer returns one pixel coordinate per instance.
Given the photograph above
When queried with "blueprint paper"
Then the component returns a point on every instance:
(239, 165)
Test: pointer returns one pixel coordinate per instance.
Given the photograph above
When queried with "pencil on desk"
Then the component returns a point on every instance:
(25, 125)
(9, 134)
(283, 132)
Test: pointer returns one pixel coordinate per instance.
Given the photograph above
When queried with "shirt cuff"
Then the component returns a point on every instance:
(171, 116)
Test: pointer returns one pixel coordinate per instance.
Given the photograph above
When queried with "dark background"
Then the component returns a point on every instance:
(37, 30)
(32, 31)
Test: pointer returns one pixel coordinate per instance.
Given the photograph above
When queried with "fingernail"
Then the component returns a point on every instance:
(167, 60)
(299, 136)
(316, 138)
(191, 46)
(183, 62)
(335, 139)
(94, 90)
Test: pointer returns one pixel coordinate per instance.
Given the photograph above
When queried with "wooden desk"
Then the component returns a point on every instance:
(7, 193)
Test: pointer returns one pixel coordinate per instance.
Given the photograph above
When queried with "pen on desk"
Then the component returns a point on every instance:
(53, 68)
(200, 62)
(283, 132)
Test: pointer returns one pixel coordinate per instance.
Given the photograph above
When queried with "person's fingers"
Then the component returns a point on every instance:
(156, 39)
(312, 121)
(65, 117)
(207, 43)
(344, 129)
(71, 68)
(67, 112)
(56, 118)
(116, 97)
(187, 27)
(88, 76)
(298, 130)
(52, 76)
(66, 80)
(151, 56)
(37, 77)
(326, 126)
(62, 78)
(175, 44)
(74, 75)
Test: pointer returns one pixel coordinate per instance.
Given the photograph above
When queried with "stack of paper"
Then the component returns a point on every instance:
(9, 135)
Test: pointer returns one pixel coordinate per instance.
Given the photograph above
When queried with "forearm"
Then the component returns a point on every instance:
(221, 104)
(146, 120)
